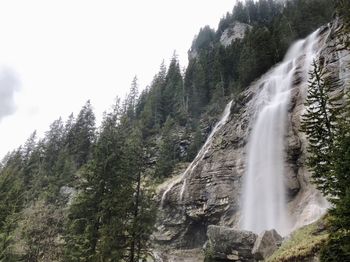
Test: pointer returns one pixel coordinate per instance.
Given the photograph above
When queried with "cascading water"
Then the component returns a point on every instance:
(264, 203)
(202, 152)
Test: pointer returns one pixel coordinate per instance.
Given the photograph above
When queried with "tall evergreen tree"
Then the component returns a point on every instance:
(81, 134)
(319, 124)
(172, 96)
(143, 212)
(326, 124)
(167, 151)
(12, 201)
(92, 210)
(337, 248)
(53, 143)
(131, 100)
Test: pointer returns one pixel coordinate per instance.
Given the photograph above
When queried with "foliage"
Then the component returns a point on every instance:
(172, 91)
(196, 144)
(167, 153)
(204, 38)
(257, 55)
(81, 135)
(338, 247)
(41, 231)
(112, 217)
(320, 125)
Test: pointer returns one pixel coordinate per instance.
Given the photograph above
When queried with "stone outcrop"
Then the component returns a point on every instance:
(213, 189)
(226, 244)
(68, 194)
(266, 243)
(192, 54)
(235, 31)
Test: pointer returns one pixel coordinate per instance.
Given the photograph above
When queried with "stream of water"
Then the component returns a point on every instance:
(202, 152)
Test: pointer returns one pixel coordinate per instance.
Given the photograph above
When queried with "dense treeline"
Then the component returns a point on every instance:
(84, 193)
(111, 216)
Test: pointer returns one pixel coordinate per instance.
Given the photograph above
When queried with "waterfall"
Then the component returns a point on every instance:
(202, 152)
(263, 199)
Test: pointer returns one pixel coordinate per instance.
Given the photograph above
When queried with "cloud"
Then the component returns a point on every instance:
(9, 84)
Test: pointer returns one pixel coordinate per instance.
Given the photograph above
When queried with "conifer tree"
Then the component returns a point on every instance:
(11, 201)
(143, 212)
(167, 153)
(90, 231)
(53, 143)
(320, 125)
(172, 97)
(81, 135)
(196, 143)
(337, 248)
(131, 100)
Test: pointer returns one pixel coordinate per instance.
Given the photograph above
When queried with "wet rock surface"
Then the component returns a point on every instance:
(266, 243)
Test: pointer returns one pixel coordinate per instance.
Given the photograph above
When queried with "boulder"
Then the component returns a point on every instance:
(266, 243)
(227, 244)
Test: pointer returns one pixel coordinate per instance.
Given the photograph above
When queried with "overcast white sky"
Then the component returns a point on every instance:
(55, 55)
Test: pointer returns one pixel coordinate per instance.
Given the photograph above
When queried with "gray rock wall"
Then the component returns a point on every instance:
(235, 31)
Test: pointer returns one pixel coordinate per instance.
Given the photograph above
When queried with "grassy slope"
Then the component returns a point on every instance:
(303, 244)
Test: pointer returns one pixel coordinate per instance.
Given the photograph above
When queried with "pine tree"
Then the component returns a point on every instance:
(12, 201)
(81, 134)
(337, 248)
(143, 212)
(167, 153)
(53, 143)
(91, 212)
(196, 144)
(320, 125)
(240, 13)
(172, 96)
(131, 100)
(40, 228)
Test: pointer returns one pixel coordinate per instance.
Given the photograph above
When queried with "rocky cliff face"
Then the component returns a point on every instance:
(235, 31)
(213, 189)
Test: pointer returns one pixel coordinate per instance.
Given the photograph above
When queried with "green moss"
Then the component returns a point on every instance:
(303, 243)
(208, 252)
